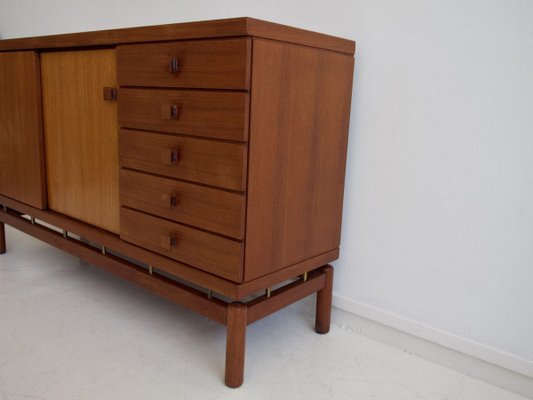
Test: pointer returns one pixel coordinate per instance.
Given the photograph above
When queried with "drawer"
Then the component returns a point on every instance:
(205, 251)
(215, 64)
(221, 115)
(198, 160)
(211, 209)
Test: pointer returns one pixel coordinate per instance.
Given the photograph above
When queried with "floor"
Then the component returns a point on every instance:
(71, 331)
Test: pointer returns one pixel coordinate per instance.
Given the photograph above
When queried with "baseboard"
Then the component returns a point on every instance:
(474, 359)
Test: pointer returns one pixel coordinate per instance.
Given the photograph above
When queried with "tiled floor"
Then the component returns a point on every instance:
(70, 331)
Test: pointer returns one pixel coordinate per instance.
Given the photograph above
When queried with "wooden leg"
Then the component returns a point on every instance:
(323, 302)
(2, 238)
(235, 344)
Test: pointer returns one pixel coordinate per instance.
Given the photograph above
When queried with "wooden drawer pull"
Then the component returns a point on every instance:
(170, 200)
(110, 94)
(174, 65)
(174, 156)
(173, 111)
(173, 201)
(173, 241)
(169, 242)
(170, 111)
(170, 157)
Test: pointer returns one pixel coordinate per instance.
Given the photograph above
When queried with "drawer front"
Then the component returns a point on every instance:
(198, 160)
(211, 209)
(215, 64)
(208, 252)
(221, 115)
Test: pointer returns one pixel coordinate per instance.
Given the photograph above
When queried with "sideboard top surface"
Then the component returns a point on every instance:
(233, 27)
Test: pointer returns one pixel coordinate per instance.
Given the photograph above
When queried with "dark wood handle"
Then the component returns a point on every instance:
(174, 157)
(170, 111)
(169, 242)
(174, 65)
(169, 200)
(173, 241)
(173, 201)
(173, 111)
(170, 157)
(110, 94)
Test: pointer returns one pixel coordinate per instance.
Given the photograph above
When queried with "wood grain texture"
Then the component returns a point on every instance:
(220, 115)
(204, 161)
(235, 344)
(298, 137)
(208, 252)
(81, 136)
(207, 208)
(215, 64)
(232, 27)
(21, 153)
(323, 302)
(176, 292)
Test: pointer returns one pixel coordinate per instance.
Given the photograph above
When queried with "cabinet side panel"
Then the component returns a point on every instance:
(21, 152)
(300, 104)
(81, 135)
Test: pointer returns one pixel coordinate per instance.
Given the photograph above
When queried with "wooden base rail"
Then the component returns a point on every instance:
(235, 315)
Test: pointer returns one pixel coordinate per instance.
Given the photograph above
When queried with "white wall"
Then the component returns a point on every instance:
(438, 227)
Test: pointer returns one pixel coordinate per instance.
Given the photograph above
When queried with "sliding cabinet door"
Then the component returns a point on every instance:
(81, 135)
(21, 152)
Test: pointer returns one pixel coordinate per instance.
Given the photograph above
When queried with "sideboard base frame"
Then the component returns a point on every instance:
(236, 315)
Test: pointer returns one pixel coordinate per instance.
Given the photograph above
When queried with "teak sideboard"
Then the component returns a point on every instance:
(203, 161)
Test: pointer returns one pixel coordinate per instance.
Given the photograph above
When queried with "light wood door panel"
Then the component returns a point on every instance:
(81, 135)
(21, 155)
